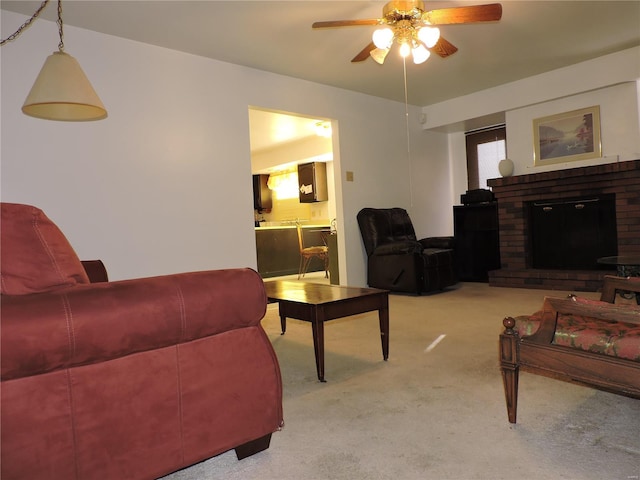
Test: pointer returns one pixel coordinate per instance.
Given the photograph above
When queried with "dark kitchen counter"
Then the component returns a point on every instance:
(278, 252)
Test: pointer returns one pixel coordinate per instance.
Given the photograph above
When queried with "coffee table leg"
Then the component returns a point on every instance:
(383, 314)
(283, 324)
(317, 325)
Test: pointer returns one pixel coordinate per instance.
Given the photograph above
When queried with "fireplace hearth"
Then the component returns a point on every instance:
(616, 214)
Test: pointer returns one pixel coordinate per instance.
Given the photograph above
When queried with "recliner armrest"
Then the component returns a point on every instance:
(407, 247)
(438, 242)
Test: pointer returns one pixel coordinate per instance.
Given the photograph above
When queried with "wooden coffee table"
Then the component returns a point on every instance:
(318, 303)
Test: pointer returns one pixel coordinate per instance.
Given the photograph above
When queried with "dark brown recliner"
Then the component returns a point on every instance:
(397, 260)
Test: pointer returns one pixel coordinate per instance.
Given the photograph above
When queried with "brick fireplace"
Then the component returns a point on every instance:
(514, 194)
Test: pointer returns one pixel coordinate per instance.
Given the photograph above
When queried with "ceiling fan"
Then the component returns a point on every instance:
(413, 28)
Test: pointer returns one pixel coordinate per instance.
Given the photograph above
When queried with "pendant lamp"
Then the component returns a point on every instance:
(61, 91)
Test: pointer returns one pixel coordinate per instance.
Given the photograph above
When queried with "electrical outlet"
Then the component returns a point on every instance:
(349, 176)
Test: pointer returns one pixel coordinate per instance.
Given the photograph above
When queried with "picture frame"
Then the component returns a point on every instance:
(567, 137)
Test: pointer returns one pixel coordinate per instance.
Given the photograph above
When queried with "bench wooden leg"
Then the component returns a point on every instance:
(252, 447)
(510, 380)
(509, 367)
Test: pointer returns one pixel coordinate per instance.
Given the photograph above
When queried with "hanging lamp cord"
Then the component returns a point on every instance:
(59, 22)
(26, 24)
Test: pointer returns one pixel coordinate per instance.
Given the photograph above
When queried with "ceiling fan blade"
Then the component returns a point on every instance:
(478, 13)
(345, 23)
(444, 48)
(364, 53)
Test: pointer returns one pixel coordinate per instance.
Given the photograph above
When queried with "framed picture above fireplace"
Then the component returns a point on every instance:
(567, 137)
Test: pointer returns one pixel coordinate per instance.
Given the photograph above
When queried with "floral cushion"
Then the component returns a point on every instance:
(617, 339)
(528, 324)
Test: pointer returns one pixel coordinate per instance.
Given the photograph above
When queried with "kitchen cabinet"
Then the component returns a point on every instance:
(312, 181)
(262, 201)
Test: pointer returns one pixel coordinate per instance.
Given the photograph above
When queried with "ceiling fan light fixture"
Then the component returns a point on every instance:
(379, 54)
(405, 50)
(420, 54)
(407, 21)
(429, 36)
(383, 38)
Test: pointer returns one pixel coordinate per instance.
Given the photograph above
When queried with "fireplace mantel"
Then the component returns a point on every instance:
(513, 194)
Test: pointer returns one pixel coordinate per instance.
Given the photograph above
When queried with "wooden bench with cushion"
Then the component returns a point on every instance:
(594, 343)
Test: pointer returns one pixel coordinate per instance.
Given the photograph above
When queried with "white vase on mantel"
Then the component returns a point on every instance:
(505, 167)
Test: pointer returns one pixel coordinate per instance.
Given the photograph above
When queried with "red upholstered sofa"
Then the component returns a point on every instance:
(130, 379)
(595, 343)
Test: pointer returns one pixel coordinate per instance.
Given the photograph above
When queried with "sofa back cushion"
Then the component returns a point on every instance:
(35, 255)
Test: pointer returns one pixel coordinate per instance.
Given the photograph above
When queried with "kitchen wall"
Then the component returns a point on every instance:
(284, 158)
(290, 209)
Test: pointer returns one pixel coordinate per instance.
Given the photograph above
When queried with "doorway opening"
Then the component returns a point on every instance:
(280, 143)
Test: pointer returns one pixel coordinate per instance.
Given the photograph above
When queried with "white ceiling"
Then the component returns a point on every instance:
(533, 37)
(269, 129)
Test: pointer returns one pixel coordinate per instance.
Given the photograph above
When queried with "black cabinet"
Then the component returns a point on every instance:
(261, 194)
(477, 247)
(312, 180)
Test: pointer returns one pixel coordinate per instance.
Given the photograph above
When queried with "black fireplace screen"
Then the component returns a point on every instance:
(571, 234)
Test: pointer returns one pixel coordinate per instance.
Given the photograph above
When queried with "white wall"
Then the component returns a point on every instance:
(620, 130)
(163, 184)
(611, 81)
(431, 186)
(601, 72)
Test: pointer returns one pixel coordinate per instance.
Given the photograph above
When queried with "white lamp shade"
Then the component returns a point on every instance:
(429, 36)
(420, 54)
(63, 92)
(379, 54)
(383, 38)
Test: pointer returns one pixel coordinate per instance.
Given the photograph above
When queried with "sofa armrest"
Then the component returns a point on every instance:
(445, 243)
(91, 323)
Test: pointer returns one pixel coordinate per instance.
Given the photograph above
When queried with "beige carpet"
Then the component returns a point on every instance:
(434, 413)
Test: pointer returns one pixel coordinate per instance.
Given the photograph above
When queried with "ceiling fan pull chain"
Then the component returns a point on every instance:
(406, 116)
